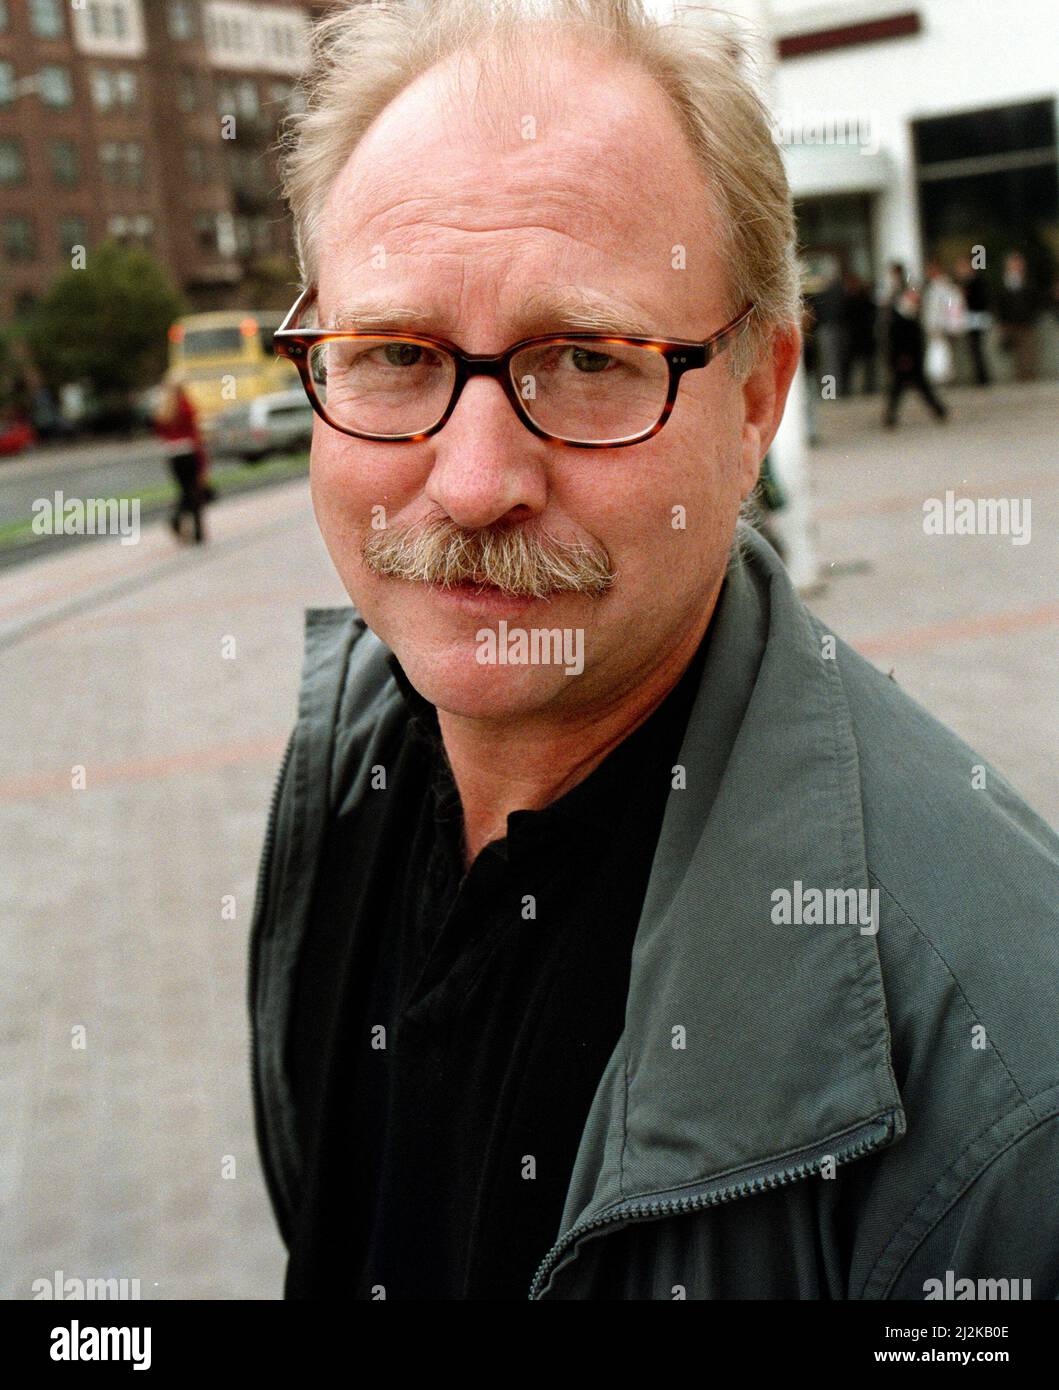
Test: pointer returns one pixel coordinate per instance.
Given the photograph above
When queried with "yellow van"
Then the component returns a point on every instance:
(225, 358)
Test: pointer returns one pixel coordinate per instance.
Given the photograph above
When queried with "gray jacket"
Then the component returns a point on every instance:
(848, 1109)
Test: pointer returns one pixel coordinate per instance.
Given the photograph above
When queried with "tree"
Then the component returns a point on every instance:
(105, 324)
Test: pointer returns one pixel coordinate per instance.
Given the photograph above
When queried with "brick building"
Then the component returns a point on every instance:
(149, 121)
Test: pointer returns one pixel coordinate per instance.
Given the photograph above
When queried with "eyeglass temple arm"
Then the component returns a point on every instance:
(298, 308)
(728, 334)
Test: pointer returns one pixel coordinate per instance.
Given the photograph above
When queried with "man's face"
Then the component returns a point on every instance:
(585, 184)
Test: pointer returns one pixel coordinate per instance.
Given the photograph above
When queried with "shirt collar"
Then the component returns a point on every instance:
(588, 807)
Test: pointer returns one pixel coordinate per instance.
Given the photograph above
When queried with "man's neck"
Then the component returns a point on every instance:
(500, 767)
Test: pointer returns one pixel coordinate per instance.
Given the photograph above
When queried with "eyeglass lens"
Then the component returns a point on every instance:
(579, 391)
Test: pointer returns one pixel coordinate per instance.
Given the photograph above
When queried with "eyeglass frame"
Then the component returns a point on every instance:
(296, 344)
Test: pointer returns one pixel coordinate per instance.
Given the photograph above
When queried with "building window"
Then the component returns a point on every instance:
(246, 99)
(279, 38)
(138, 229)
(282, 39)
(108, 19)
(54, 87)
(122, 162)
(46, 18)
(994, 170)
(7, 84)
(110, 89)
(65, 163)
(20, 242)
(12, 163)
(181, 21)
(73, 231)
(238, 97)
(253, 234)
(125, 87)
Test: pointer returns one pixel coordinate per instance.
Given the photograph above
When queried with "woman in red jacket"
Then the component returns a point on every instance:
(177, 423)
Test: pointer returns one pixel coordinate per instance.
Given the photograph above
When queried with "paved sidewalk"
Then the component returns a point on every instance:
(113, 1156)
(967, 623)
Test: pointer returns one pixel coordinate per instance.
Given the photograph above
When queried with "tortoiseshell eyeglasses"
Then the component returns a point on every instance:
(587, 390)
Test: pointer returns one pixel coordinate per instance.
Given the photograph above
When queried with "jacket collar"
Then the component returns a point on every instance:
(747, 1045)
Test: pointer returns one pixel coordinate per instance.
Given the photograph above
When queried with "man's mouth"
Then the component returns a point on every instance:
(477, 582)
(478, 593)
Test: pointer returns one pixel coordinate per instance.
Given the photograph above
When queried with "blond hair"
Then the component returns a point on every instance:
(364, 54)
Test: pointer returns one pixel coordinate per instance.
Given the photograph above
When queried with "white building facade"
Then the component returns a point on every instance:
(919, 129)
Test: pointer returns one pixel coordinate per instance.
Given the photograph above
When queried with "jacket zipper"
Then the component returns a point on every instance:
(263, 875)
(872, 1135)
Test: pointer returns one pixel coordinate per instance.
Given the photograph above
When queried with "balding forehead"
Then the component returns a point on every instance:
(603, 192)
(606, 108)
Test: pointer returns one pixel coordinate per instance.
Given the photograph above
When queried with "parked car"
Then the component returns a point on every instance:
(266, 425)
(48, 420)
(16, 435)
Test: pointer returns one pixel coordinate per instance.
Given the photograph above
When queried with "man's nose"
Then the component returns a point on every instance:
(486, 462)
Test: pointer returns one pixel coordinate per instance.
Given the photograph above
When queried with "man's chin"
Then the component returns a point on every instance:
(477, 680)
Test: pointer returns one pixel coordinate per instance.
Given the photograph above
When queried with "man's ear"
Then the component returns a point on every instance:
(764, 397)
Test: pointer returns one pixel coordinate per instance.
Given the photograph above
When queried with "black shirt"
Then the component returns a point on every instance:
(451, 1027)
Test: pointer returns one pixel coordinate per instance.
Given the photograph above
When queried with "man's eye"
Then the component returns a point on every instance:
(403, 354)
(587, 360)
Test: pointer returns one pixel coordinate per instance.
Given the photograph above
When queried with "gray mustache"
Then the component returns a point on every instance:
(528, 564)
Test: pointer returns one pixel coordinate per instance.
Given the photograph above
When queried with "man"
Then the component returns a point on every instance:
(176, 421)
(905, 354)
(975, 286)
(538, 1005)
(860, 314)
(1018, 309)
(944, 316)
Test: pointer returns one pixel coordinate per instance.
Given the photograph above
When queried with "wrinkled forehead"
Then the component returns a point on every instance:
(580, 162)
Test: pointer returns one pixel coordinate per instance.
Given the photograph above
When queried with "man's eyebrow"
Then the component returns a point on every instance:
(384, 315)
(569, 307)
(544, 309)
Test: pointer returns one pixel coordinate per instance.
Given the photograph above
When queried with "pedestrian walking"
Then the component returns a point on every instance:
(944, 320)
(906, 350)
(829, 312)
(976, 296)
(1018, 308)
(860, 345)
(176, 421)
